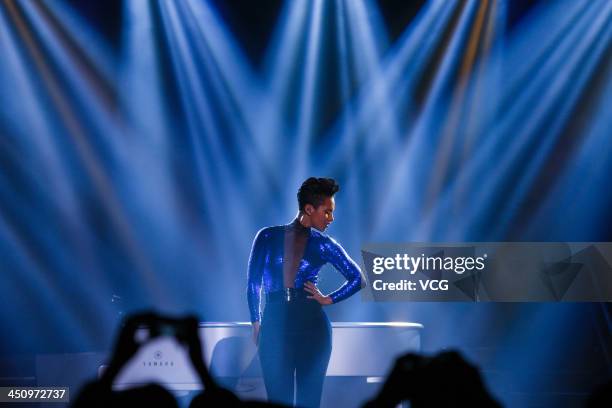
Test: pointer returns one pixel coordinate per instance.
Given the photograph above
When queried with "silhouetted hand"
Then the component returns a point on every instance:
(127, 345)
(400, 383)
(100, 394)
(189, 335)
(441, 381)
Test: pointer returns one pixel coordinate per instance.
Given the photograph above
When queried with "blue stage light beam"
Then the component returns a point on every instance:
(406, 183)
(61, 114)
(170, 230)
(479, 109)
(538, 59)
(453, 131)
(402, 66)
(388, 91)
(234, 89)
(307, 112)
(93, 125)
(29, 286)
(198, 116)
(533, 133)
(233, 101)
(40, 143)
(383, 98)
(37, 218)
(346, 62)
(368, 43)
(350, 189)
(369, 38)
(468, 109)
(361, 42)
(81, 91)
(281, 61)
(224, 183)
(555, 320)
(238, 79)
(87, 42)
(582, 184)
(281, 55)
(479, 140)
(414, 57)
(211, 104)
(568, 86)
(141, 77)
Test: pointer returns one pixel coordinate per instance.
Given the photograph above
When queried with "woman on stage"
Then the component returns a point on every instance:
(295, 338)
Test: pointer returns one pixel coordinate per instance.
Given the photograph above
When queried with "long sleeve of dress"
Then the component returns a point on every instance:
(255, 274)
(337, 256)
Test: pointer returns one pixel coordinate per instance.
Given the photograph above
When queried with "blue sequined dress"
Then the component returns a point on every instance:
(265, 268)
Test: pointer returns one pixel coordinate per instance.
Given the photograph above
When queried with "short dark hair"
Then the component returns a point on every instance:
(314, 190)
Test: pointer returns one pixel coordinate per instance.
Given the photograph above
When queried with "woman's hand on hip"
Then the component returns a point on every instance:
(316, 294)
